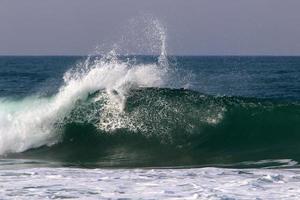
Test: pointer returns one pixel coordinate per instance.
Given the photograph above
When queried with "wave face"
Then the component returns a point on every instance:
(38, 121)
(116, 111)
(173, 127)
(35, 121)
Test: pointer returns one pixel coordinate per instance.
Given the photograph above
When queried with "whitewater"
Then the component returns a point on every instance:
(34, 121)
(205, 183)
(149, 127)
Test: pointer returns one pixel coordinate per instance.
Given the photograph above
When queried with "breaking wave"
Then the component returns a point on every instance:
(114, 111)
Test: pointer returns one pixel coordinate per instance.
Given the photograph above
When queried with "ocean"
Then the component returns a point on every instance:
(149, 127)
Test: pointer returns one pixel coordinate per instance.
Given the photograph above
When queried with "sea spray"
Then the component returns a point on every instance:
(171, 127)
(36, 121)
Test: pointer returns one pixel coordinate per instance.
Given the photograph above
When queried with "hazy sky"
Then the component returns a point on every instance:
(201, 27)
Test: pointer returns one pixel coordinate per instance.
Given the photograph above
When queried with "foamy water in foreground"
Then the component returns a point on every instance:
(197, 183)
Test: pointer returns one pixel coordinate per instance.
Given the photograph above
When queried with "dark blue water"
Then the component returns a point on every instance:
(266, 77)
(216, 111)
(22, 76)
(262, 77)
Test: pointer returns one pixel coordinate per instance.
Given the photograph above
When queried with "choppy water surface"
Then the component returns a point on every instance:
(204, 183)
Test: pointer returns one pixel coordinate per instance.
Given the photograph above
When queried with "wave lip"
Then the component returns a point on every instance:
(34, 121)
(112, 111)
(38, 121)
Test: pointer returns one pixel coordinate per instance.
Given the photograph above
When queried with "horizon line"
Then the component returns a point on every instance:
(171, 55)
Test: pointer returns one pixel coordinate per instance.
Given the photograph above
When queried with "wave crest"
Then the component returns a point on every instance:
(36, 121)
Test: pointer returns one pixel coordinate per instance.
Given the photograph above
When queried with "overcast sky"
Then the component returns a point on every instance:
(198, 27)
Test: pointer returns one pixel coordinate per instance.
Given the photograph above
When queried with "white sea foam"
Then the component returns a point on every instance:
(37, 121)
(34, 121)
(203, 183)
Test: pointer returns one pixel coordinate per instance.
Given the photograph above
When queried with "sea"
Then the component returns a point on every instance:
(149, 127)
